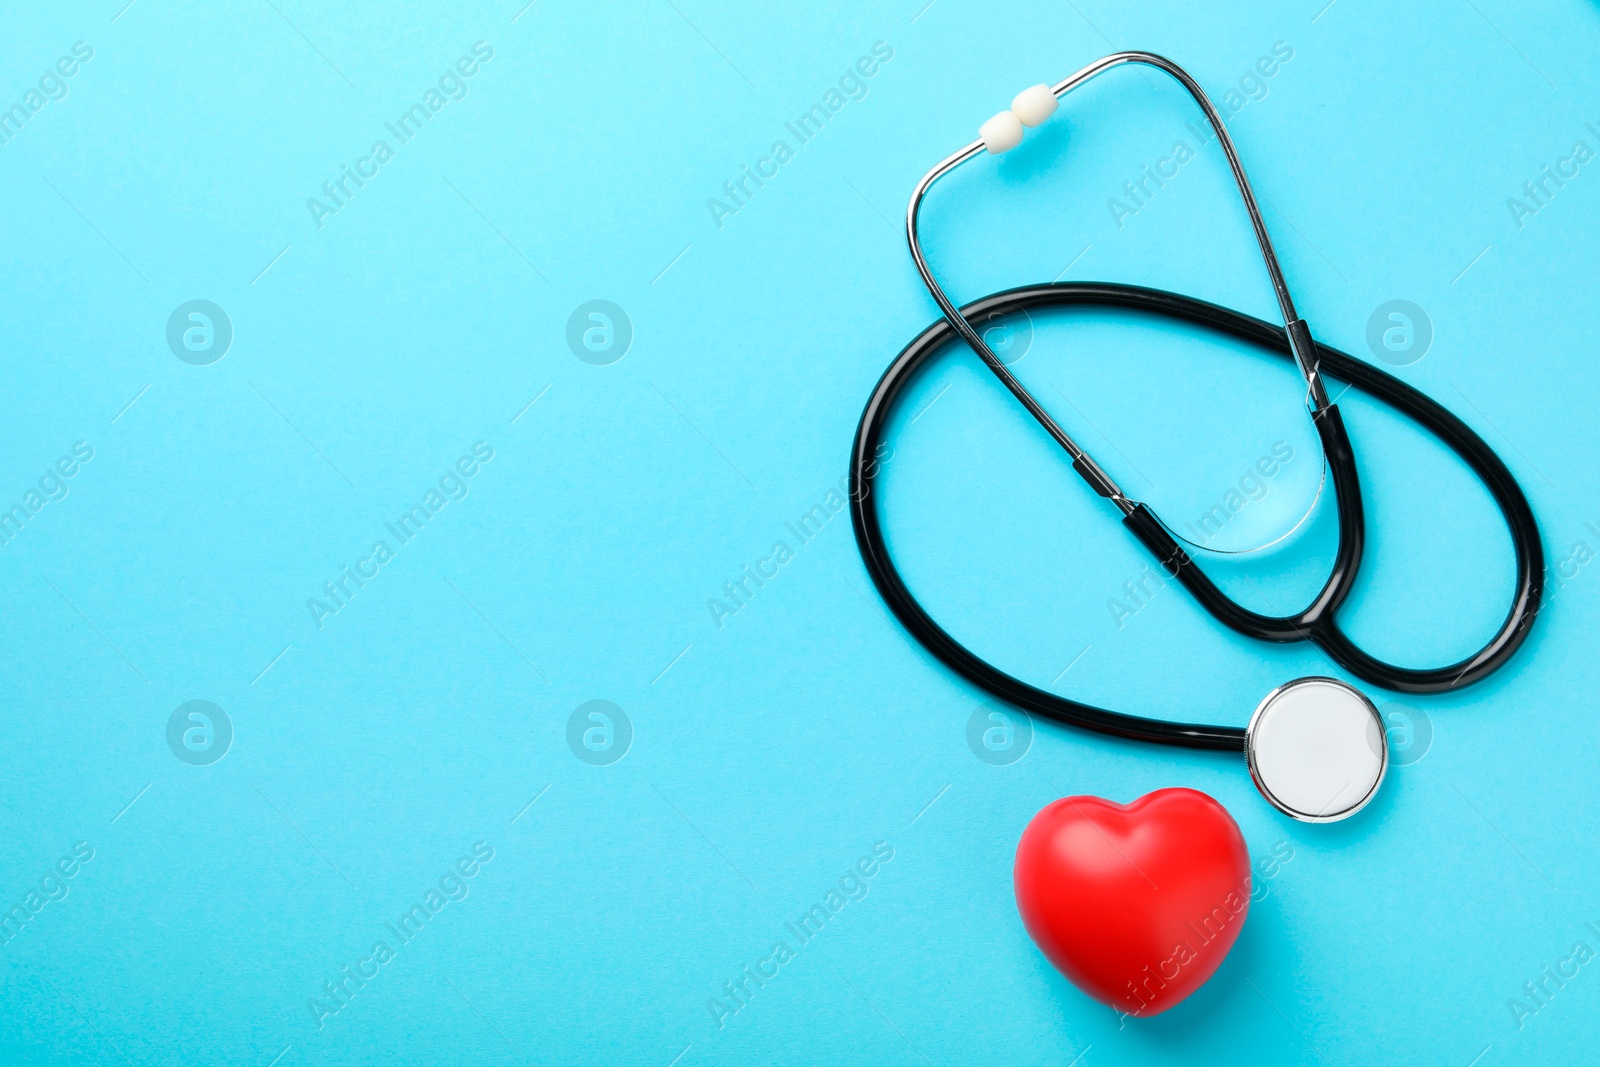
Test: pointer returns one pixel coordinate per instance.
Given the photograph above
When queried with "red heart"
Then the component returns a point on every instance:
(1137, 905)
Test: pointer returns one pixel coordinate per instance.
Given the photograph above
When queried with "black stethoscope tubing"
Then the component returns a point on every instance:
(1317, 623)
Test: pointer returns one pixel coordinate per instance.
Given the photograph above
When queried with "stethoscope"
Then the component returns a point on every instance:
(1316, 747)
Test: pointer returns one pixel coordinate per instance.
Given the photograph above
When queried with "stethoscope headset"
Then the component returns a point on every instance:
(1316, 747)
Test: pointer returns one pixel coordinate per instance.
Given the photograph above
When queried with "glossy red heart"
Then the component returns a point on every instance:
(1139, 904)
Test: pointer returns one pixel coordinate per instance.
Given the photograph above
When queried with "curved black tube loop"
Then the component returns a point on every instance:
(1317, 623)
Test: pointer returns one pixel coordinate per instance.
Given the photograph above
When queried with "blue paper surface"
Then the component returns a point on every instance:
(381, 523)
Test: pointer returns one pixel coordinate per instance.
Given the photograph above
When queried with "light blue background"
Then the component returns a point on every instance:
(770, 753)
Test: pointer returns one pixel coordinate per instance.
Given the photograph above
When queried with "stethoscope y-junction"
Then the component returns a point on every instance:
(1315, 746)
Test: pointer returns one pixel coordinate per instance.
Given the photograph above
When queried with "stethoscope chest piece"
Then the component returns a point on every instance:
(1317, 749)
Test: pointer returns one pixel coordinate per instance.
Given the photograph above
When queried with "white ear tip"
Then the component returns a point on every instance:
(1034, 105)
(1001, 133)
